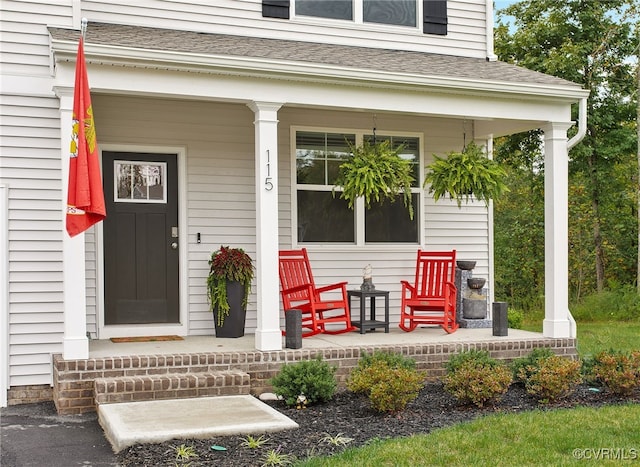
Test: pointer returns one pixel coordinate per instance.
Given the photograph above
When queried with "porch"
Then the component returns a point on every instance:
(199, 366)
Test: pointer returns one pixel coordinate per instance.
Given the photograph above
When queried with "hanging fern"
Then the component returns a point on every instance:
(465, 175)
(375, 172)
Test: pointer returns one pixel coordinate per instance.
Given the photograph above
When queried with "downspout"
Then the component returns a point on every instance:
(582, 124)
(491, 56)
(579, 136)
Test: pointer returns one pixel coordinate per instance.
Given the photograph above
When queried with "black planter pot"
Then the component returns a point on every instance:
(233, 325)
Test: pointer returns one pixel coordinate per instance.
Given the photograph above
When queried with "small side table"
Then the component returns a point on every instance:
(371, 323)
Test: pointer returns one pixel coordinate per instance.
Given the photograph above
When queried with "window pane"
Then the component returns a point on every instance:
(319, 155)
(324, 218)
(389, 222)
(410, 151)
(400, 12)
(336, 9)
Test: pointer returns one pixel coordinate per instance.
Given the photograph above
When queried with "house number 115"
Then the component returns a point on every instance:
(268, 184)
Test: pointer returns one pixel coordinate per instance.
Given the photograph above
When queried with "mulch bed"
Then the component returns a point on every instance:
(351, 415)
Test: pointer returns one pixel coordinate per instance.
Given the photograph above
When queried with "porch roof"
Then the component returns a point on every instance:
(471, 72)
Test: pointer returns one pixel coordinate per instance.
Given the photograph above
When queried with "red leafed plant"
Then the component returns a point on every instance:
(228, 265)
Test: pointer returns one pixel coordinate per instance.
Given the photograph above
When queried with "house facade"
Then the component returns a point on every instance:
(223, 123)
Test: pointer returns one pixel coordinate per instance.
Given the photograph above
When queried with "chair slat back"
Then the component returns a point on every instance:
(295, 270)
(433, 269)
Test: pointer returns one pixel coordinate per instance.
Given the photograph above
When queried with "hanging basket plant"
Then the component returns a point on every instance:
(375, 172)
(466, 175)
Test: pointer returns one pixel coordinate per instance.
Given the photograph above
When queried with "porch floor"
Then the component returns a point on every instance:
(395, 337)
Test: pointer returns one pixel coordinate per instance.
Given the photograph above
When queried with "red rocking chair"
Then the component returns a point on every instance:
(432, 298)
(299, 292)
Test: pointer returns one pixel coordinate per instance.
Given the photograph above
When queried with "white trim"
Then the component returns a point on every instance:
(182, 328)
(359, 210)
(4, 295)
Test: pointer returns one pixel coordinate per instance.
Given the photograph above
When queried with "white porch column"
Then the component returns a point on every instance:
(268, 333)
(557, 321)
(75, 344)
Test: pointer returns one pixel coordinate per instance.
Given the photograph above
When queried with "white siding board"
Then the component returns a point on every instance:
(466, 32)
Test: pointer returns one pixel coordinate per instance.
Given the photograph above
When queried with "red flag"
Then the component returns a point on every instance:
(85, 200)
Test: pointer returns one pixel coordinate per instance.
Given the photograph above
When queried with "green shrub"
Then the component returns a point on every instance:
(515, 318)
(475, 377)
(617, 371)
(477, 357)
(394, 360)
(313, 378)
(390, 380)
(551, 378)
(530, 360)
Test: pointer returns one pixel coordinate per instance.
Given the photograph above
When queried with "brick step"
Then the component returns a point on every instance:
(170, 386)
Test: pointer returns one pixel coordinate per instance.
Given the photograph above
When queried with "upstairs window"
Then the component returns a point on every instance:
(410, 13)
(395, 12)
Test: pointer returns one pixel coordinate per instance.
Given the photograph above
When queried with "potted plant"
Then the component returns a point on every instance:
(375, 172)
(466, 174)
(228, 287)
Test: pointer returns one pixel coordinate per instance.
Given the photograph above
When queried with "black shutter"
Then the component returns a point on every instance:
(275, 9)
(435, 17)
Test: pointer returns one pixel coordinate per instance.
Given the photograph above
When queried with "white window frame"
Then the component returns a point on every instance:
(359, 209)
(358, 18)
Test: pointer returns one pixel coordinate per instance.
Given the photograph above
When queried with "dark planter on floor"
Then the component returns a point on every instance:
(233, 325)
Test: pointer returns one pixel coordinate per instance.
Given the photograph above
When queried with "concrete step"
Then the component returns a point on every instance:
(171, 386)
(128, 423)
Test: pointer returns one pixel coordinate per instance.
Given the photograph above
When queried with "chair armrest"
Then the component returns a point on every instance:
(406, 286)
(295, 289)
(326, 288)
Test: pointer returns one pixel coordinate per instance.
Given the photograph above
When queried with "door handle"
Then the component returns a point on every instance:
(174, 245)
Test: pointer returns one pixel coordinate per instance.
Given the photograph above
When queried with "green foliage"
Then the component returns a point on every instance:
(251, 442)
(619, 304)
(475, 377)
(389, 379)
(313, 378)
(593, 44)
(465, 175)
(618, 371)
(375, 172)
(275, 458)
(337, 440)
(531, 360)
(389, 388)
(476, 357)
(393, 359)
(515, 318)
(551, 378)
(228, 265)
(185, 453)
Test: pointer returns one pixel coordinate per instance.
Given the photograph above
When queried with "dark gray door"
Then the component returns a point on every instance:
(141, 238)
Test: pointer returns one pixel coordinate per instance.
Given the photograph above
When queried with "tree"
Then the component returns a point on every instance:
(591, 43)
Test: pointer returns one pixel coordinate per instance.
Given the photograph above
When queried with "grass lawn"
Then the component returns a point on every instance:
(594, 337)
(604, 436)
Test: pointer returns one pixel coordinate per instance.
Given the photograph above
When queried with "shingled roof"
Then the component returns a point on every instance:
(286, 51)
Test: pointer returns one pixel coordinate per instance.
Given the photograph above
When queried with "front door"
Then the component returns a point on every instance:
(140, 238)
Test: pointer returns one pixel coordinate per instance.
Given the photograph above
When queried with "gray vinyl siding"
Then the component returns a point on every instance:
(30, 167)
(466, 29)
(24, 40)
